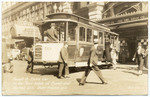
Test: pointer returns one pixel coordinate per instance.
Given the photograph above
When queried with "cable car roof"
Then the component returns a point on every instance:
(68, 16)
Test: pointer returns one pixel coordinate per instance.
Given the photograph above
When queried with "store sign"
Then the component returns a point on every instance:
(126, 19)
(26, 31)
(130, 19)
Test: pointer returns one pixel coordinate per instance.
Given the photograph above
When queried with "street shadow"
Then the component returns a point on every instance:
(127, 68)
(93, 83)
(76, 69)
(145, 71)
(131, 73)
(46, 71)
(79, 79)
(54, 71)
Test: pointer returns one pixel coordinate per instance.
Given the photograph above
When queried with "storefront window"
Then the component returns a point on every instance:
(82, 34)
(100, 37)
(71, 31)
(89, 35)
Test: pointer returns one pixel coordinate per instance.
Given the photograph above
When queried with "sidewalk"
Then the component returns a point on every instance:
(131, 67)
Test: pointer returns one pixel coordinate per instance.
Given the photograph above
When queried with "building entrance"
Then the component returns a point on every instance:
(131, 48)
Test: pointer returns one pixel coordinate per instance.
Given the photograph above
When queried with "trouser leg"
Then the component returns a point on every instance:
(98, 73)
(87, 71)
(114, 63)
(61, 67)
(146, 61)
(29, 66)
(141, 64)
(66, 69)
(138, 62)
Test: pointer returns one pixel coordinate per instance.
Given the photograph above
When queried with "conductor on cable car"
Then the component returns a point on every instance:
(52, 33)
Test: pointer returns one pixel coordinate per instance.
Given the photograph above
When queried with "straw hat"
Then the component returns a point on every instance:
(52, 24)
(139, 44)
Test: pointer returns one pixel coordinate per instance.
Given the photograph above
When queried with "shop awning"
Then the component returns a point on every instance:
(25, 31)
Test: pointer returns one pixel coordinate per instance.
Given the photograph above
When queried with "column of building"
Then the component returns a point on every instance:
(95, 10)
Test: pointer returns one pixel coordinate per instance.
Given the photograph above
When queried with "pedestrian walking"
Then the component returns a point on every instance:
(114, 57)
(29, 58)
(92, 64)
(63, 62)
(146, 57)
(139, 57)
(108, 51)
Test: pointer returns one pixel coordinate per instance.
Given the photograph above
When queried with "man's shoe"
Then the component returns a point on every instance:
(60, 77)
(140, 72)
(104, 82)
(81, 84)
(66, 76)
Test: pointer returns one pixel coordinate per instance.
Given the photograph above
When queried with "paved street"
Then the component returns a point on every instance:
(123, 81)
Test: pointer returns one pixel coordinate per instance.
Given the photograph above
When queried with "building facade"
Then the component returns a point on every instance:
(128, 19)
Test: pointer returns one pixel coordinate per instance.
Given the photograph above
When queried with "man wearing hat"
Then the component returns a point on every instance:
(52, 33)
(114, 56)
(63, 62)
(146, 57)
(95, 51)
(139, 56)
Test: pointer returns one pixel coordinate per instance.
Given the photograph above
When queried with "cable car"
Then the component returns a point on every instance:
(80, 34)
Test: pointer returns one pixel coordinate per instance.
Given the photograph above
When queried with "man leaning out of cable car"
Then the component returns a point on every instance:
(52, 33)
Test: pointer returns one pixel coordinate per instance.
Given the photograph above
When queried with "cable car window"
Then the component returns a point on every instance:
(71, 31)
(95, 37)
(112, 40)
(100, 37)
(62, 30)
(55, 31)
(82, 34)
(89, 35)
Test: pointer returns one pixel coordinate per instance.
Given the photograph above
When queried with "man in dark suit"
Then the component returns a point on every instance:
(52, 33)
(29, 57)
(139, 56)
(146, 57)
(92, 65)
(63, 60)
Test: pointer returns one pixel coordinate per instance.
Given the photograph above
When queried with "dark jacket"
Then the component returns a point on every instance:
(52, 34)
(63, 55)
(107, 51)
(94, 56)
(139, 57)
(141, 54)
(28, 54)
